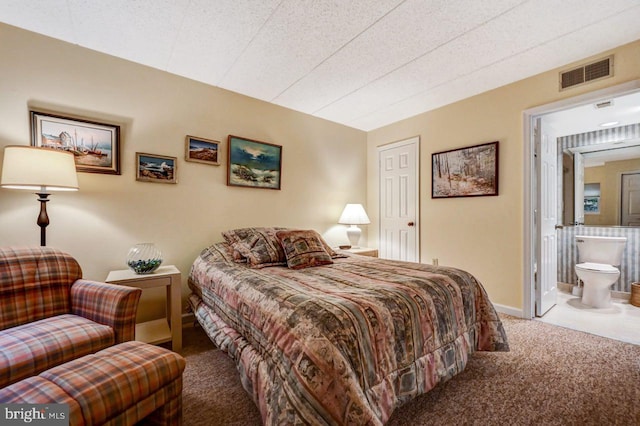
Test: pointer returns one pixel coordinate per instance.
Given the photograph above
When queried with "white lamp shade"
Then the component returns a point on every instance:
(354, 214)
(27, 167)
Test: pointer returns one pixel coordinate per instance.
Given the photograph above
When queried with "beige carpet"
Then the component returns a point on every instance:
(552, 376)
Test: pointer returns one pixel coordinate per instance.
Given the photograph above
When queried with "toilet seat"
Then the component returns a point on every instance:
(598, 267)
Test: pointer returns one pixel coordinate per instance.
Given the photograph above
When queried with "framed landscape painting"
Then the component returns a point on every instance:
(96, 146)
(465, 172)
(200, 150)
(253, 163)
(155, 168)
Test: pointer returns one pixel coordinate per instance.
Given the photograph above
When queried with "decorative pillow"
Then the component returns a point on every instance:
(327, 247)
(258, 245)
(218, 252)
(303, 249)
(235, 254)
(329, 250)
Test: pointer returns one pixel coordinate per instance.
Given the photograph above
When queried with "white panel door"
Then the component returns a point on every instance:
(630, 199)
(546, 218)
(399, 230)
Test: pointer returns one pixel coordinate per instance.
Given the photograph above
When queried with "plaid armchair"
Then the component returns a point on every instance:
(49, 315)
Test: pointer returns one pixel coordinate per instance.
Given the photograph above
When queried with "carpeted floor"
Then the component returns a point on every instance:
(552, 376)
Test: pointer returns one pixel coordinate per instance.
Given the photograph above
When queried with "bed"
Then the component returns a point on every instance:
(342, 339)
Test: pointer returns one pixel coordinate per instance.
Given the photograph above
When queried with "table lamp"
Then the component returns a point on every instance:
(41, 170)
(354, 215)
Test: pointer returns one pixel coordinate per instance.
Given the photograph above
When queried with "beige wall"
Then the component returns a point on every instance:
(483, 235)
(324, 164)
(609, 178)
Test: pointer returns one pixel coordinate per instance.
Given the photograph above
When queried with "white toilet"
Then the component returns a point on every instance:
(597, 261)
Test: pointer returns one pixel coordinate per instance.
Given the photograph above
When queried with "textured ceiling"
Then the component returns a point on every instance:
(362, 63)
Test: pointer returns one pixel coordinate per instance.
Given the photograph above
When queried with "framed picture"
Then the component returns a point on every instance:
(200, 150)
(465, 172)
(591, 204)
(254, 164)
(96, 146)
(155, 168)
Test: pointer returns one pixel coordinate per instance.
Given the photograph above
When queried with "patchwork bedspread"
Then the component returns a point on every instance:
(345, 343)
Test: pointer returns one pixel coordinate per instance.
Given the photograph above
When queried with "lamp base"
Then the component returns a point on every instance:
(353, 233)
(43, 218)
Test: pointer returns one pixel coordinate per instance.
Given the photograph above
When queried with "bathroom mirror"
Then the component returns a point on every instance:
(600, 183)
(598, 159)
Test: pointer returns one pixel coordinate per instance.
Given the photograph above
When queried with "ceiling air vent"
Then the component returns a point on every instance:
(602, 68)
(603, 104)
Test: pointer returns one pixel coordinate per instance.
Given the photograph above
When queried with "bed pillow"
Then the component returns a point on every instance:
(327, 247)
(258, 245)
(235, 254)
(218, 252)
(303, 249)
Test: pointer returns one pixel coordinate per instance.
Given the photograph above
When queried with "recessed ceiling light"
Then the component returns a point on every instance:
(609, 123)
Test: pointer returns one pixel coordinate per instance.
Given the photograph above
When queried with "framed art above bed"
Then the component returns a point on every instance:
(253, 163)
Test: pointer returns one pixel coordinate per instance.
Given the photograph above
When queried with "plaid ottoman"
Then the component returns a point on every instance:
(122, 385)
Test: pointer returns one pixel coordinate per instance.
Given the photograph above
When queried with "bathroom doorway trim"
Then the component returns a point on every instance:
(529, 166)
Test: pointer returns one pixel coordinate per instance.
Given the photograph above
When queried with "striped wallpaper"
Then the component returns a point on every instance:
(632, 131)
(568, 253)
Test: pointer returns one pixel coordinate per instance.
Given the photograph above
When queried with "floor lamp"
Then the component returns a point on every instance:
(40, 170)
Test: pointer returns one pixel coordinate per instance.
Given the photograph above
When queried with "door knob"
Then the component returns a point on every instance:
(410, 224)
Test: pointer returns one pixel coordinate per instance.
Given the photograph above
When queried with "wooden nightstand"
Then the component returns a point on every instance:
(165, 329)
(364, 251)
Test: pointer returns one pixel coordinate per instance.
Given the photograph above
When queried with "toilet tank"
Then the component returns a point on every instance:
(607, 250)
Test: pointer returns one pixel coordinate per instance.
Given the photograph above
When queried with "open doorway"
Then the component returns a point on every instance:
(553, 215)
(568, 117)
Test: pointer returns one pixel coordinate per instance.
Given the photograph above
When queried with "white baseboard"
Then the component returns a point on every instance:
(509, 310)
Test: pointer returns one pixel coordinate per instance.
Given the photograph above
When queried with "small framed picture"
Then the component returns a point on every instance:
(96, 146)
(200, 150)
(155, 168)
(253, 163)
(591, 204)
